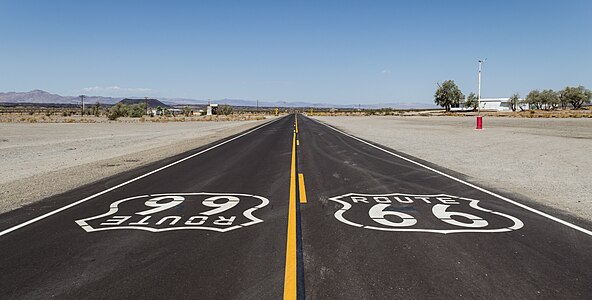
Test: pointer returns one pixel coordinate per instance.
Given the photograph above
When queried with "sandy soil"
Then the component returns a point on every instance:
(544, 160)
(41, 160)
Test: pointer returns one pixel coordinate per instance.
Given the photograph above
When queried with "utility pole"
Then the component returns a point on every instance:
(82, 101)
(257, 105)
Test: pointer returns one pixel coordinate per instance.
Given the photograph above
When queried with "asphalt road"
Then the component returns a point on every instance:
(292, 210)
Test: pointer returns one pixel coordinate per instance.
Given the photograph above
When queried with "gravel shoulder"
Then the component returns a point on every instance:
(40, 160)
(544, 160)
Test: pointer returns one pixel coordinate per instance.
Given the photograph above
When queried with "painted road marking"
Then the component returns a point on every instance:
(290, 270)
(302, 189)
(533, 210)
(53, 212)
(297, 142)
(439, 213)
(179, 211)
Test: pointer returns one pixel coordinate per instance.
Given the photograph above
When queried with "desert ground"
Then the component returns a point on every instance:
(541, 160)
(39, 160)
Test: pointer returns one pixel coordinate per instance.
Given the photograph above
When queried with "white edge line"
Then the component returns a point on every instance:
(53, 212)
(536, 211)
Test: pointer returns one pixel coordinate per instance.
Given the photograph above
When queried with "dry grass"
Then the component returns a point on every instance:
(44, 118)
(581, 113)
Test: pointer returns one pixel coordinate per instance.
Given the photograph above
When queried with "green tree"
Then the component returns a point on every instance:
(549, 99)
(514, 101)
(533, 99)
(576, 96)
(448, 94)
(472, 101)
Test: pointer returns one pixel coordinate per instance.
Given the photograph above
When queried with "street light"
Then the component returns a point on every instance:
(481, 61)
(479, 118)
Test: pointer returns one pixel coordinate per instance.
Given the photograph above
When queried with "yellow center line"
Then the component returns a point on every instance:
(302, 190)
(296, 116)
(290, 271)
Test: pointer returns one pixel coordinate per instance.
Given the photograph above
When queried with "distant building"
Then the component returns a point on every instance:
(499, 104)
(495, 104)
(212, 109)
(491, 104)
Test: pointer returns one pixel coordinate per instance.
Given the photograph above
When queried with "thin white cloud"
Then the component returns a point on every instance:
(115, 88)
(385, 71)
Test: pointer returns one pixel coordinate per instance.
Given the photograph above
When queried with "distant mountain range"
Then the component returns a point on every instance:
(43, 97)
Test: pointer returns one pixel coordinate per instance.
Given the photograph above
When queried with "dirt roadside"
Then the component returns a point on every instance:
(545, 160)
(41, 160)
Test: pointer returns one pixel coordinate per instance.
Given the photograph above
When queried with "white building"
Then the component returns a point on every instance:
(496, 104)
(499, 104)
(212, 109)
(491, 104)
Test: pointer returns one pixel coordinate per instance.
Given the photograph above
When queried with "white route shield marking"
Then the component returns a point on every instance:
(219, 212)
(439, 213)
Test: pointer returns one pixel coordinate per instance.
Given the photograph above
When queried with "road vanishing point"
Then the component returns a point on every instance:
(292, 209)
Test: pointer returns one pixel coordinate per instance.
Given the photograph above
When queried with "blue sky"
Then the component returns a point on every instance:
(341, 52)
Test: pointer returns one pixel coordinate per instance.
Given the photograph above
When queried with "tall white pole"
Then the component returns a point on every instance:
(481, 61)
(479, 89)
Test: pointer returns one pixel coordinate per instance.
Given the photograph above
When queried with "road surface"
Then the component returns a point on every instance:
(291, 209)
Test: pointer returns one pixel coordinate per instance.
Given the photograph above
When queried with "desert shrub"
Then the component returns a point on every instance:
(187, 111)
(225, 110)
(96, 109)
(136, 110)
(117, 110)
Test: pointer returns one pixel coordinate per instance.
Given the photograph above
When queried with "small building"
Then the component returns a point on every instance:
(212, 109)
(495, 104)
(491, 104)
(499, 104)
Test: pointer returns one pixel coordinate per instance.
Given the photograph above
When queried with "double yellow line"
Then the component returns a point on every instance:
(290, 277)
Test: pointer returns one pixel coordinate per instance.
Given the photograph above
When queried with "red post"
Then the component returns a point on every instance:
(479, 122)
